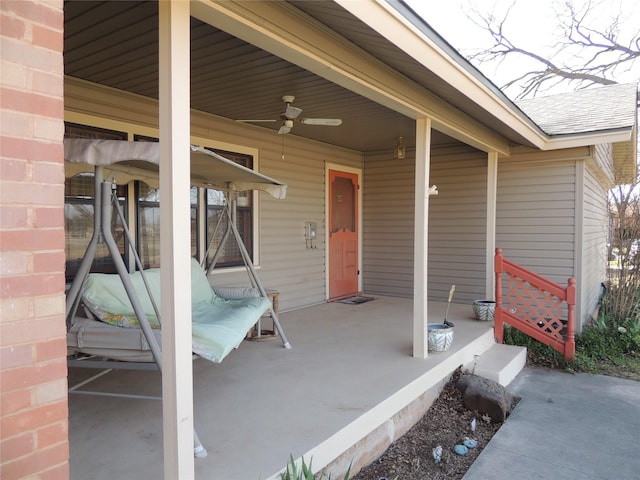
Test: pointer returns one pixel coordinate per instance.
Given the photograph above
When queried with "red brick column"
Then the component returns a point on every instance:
(33, 373)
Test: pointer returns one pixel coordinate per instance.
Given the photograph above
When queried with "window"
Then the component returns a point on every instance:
(79, 202)
(148, 212)
(145, 209)
(217, 221)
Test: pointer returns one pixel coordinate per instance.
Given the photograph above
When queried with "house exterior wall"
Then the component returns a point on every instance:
(594, 239)
(552, 219)
(388, 224)
(536, 216)
(457, 225)
(33, 412)
(536, 208)
(286, 264)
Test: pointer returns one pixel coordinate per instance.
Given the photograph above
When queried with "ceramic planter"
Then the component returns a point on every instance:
(484, 309)
(439, 337)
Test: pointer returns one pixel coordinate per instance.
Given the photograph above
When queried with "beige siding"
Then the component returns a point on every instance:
(535, 224)
(388, 206)
(457, 226)
(594, 244)
(285, 262)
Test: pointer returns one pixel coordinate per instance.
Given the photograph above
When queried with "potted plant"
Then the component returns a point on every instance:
(440, 335)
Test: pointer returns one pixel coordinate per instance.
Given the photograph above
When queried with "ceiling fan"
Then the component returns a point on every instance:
(292, 113)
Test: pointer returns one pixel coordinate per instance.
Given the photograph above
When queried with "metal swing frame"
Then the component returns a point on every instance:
(102, 234)
(230, 211)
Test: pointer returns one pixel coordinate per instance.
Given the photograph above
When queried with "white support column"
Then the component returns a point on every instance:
(421, 235)
(492, 189)
(175, 243)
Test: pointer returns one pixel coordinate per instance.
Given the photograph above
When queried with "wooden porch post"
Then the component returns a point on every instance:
(492, 190)
(420, 317)
(175, 244)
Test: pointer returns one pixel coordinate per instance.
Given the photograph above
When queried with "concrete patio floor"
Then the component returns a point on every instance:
(349, 371)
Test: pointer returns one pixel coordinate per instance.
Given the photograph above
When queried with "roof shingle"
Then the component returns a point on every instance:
(611, 107)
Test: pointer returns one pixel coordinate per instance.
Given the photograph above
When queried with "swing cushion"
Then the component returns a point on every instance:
(218, 325)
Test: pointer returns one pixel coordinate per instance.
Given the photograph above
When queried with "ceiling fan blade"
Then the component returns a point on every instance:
(328, 122)
(256, 121)
(284, 129)
(292, 112)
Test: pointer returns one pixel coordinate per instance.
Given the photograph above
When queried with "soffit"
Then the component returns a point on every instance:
(115, 44)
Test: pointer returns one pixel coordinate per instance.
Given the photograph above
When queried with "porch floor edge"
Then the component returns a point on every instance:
(366, 438)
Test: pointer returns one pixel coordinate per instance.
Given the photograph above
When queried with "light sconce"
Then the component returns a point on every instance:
(401, 150)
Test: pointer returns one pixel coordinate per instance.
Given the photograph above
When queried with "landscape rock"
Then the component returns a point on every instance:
(470, 443)
(437, 454)
(460, 450)
(486, 396)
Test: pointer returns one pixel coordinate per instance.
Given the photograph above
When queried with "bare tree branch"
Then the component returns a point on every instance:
(593, 55)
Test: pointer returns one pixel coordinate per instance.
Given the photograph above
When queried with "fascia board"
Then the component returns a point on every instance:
(592, 138)
(388, 21)
(528, 155)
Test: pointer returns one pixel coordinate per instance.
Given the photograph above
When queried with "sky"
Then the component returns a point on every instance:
(532, 24)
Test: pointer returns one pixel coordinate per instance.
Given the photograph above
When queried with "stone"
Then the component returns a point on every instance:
(460, 450)
(486, 397)
(437, 454)
(470, 442)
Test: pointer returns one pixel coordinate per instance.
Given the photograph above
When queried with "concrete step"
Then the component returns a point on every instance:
(500, 363)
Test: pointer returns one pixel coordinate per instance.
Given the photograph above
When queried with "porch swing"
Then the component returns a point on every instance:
(120, 328)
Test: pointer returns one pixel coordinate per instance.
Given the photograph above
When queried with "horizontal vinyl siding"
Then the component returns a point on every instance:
(297, 272)
(535, 218)
(388, 225)
(457, 226)
(594, 244)
(286, 264)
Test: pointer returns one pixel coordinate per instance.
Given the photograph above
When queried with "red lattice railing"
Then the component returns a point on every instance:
(535, 305)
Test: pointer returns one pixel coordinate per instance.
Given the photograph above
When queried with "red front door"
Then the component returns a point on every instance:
(343, 234)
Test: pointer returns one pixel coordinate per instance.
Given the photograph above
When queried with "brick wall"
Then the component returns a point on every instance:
(33, 373)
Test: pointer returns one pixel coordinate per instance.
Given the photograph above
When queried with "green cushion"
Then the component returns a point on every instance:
(218, 325)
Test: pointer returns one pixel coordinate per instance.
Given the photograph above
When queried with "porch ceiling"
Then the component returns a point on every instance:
(115, 44)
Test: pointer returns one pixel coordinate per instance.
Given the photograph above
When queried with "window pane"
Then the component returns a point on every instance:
(78, 221)
(149, 224)
(79, 210)
(217, 221)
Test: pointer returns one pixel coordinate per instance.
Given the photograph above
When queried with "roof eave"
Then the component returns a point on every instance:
(556, 142)
(418, 40)
(625, 155)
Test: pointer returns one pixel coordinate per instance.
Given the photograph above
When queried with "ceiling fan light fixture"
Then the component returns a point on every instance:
(291, 114)
(284, 129)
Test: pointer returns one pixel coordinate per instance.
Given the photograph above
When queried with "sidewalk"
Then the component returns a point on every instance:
(566, 426)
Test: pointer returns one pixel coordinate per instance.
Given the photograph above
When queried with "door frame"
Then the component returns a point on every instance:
(358, 172)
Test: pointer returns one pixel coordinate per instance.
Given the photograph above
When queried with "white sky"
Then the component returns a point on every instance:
(532, 24)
